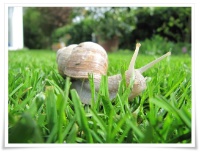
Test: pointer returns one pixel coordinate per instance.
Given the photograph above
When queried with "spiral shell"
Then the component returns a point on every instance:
(77, 61)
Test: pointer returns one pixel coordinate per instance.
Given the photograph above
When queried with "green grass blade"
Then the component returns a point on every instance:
(92, 88)
(51, 110)
(121, 104)
(104, 95)
(72, 137)
(166, 105)
(96, 136)
(61, 109)
(57, 89)
(81, 116)
(99, 120)
(68, 128)
(15, 90)
(136, 130)
(53, 134)
(119, 125)
(124, 134)
(110, 127)
(174, 87)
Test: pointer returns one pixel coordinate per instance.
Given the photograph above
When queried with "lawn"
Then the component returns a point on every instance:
(43, 109)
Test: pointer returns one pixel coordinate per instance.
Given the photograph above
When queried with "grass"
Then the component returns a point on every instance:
(43, 109)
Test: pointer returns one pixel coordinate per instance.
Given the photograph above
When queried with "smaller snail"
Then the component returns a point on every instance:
(77, 61)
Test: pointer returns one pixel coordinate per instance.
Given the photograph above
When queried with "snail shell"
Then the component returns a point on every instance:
(77, 61)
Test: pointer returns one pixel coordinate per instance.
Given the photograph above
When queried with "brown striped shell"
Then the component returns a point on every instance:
(77, 61)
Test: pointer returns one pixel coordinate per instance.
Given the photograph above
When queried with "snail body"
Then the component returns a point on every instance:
(77, 61)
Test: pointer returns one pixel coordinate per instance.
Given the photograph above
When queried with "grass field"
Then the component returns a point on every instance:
(43, 109)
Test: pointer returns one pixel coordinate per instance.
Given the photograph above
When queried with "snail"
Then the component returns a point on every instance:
(77, 61)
